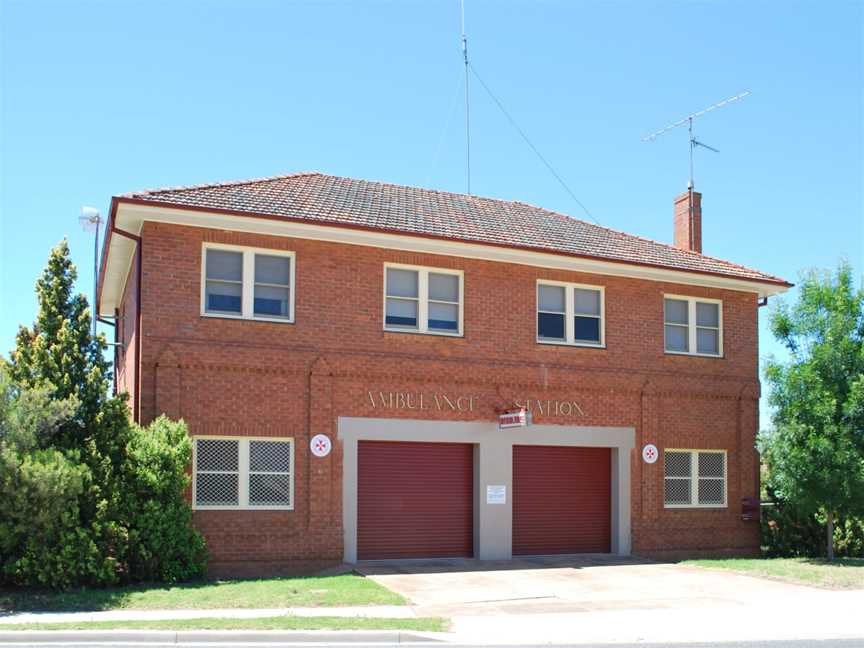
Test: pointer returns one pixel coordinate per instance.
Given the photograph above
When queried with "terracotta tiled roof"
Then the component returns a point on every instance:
(329, 200)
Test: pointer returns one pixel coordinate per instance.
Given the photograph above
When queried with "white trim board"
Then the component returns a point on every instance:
(131, 217)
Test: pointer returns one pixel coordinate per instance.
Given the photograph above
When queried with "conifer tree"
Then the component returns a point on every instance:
(60, 354)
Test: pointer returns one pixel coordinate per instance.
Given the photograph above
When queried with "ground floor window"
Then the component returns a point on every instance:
(243, 473)
(695, 478)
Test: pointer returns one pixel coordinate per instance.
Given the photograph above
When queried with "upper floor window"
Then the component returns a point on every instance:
(248, 283)
(693, 325)
(570, 314)
(243, 473)
(423, 300)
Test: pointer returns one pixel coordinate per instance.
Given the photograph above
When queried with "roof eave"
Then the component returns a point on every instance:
(774, 285)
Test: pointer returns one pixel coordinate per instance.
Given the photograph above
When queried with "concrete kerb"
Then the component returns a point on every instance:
(233, 637)
(370, 611)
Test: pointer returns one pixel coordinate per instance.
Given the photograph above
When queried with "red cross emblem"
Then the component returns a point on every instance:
(320, 445)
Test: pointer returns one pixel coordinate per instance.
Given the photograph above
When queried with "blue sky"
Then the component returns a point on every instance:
(101, 98)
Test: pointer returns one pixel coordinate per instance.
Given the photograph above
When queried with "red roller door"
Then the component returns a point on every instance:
(561, 500)
(414, 500)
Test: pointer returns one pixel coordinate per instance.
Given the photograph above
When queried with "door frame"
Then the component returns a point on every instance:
(493, 465)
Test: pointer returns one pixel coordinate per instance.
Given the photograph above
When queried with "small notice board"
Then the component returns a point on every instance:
(496, 494)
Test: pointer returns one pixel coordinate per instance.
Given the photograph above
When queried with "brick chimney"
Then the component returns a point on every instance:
(688, 222)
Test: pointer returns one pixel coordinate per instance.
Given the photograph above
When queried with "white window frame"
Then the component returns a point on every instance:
(247, 294)
(243, 475)
(692, 327)
(694, 479)
(570, 314)
(423, 300)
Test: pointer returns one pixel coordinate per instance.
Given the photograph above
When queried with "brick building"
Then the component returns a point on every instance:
(400, 323)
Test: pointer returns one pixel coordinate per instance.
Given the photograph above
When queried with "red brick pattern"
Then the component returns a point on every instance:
(688, 232)
(228, 376)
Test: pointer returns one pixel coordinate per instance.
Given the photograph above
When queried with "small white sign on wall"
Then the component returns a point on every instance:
(320, 445)
(496, 494)
(650, 454)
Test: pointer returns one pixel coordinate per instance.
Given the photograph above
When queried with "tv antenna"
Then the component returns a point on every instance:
(689, 121)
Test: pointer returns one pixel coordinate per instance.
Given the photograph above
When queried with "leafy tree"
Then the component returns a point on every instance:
(815, 453)
(89, 498)
(43, 538)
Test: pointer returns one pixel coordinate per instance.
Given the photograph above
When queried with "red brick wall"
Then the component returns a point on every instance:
(275, 379)
(126, 335)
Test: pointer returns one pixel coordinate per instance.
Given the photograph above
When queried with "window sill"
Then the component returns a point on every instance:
(695, 506)
(277, 320)
(433, 333)
(695, 355)
(578, 345)
(242, 508)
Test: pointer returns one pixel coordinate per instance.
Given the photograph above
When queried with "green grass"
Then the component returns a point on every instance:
(843, 573)
(320, 591)
(431, 624)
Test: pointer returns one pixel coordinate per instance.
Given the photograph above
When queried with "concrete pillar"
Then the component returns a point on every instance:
(493, 525)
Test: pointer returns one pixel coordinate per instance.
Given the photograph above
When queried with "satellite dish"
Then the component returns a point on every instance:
(89, 219)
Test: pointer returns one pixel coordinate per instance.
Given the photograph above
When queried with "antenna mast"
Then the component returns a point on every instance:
(467, 106)
(689, 121)
(693, 144)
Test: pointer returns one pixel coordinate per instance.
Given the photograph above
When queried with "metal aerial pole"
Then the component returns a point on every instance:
(467, 103)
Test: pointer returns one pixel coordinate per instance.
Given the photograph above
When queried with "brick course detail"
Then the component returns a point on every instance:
(240, 377)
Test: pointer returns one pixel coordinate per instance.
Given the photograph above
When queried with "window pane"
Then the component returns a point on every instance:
(550, 298)
(271, 301)
(707, 314)
(401, 312)
(269, 490)
(586, 302)
(676, 311)
(272, 456)
(711, 491)
(217, 489)
(587, 329)
(677, 491)
(222, 264)
(443, 316)
(711, 464)
(677, 464)
(443, 287)
(216, 454)
(676, 338)
(272, 269)
(707, 341)
(223, 297)
(401, 283)
(550, 326)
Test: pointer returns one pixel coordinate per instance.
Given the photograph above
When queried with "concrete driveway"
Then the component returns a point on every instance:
(598, 598)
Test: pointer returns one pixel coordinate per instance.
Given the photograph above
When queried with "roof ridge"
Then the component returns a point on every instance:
(214, 185)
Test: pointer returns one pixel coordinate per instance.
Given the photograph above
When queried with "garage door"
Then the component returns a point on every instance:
(414, 500)
(561, 500)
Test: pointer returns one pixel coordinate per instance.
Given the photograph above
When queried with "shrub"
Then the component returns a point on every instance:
(162, 545)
